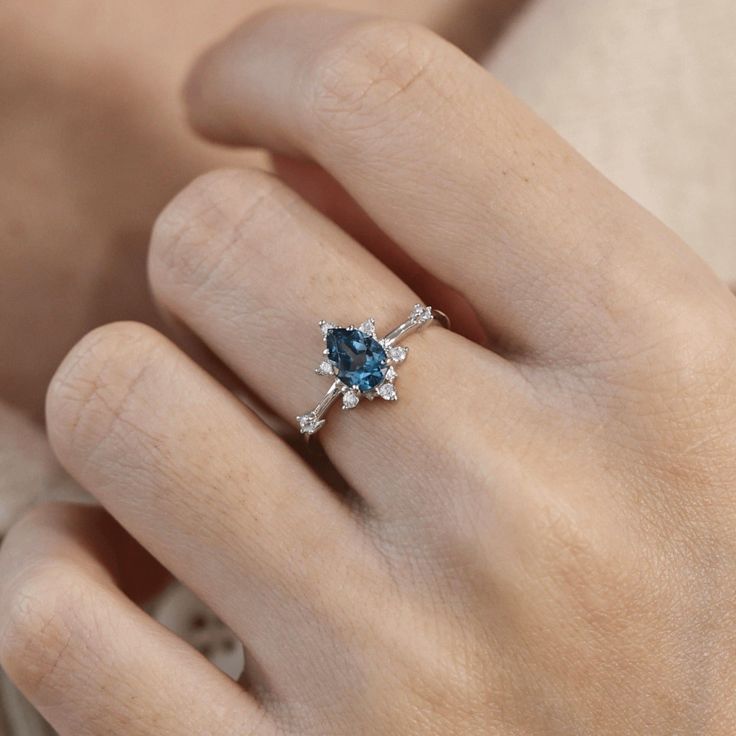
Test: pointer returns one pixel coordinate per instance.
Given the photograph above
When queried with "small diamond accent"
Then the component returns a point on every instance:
(391, 374)
(309, 424)
(350, 400)
(398, 354)
(326, 327)
(420, 314)
(325, 369)
(368, 327)
(387, 391)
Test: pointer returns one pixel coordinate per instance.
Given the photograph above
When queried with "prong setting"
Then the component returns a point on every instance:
(326, 327)
(350, 399)
(420, 314)
(310, 423)
(325, 368)
(387, 391)
(397, 354)
(360, 364)
(369, 327)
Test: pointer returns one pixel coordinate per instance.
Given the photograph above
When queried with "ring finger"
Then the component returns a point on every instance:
(252, 268)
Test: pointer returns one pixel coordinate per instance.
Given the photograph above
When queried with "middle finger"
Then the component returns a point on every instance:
(561, 265)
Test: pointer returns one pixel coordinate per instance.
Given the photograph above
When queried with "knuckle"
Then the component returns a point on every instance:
(364, 75)
(42, 638)
(704, 343)
(598, 576)
(192, 236)
(89, 394)
(682, 318)
(687, 361)
(670, 344)
(692, 319)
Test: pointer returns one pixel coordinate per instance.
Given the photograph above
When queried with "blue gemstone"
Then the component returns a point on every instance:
(359, 358)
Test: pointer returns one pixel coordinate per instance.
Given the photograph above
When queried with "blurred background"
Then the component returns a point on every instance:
(93, 144)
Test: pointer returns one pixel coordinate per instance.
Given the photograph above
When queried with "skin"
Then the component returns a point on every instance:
(91, 153)
(539, 537)
(99, 152)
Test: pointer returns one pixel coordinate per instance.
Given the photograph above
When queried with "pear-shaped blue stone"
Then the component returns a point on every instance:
(359, 358)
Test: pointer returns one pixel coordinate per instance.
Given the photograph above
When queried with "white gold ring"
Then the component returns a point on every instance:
(361, 364)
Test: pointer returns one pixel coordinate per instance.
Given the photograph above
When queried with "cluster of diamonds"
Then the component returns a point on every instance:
(352, 394)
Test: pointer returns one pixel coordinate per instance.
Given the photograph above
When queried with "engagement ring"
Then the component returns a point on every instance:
(361, 364)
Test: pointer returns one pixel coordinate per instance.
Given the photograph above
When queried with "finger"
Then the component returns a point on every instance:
(217, 260)
(460, 174)
(209, 490)
(85, 655)
(321, 190)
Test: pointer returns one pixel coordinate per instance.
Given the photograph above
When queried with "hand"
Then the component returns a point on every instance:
(91, 153)
(540, 537)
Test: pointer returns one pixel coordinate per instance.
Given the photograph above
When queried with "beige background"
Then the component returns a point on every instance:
(645, 89)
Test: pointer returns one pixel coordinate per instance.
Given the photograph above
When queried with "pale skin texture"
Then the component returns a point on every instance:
(93, 144)
(540, 538)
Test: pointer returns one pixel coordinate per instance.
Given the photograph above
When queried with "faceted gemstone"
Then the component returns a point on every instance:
(359, 358)
(350, 399)
(398, 354)
(388, 392)
(309, 424)
(420, 314)
(325, 368)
